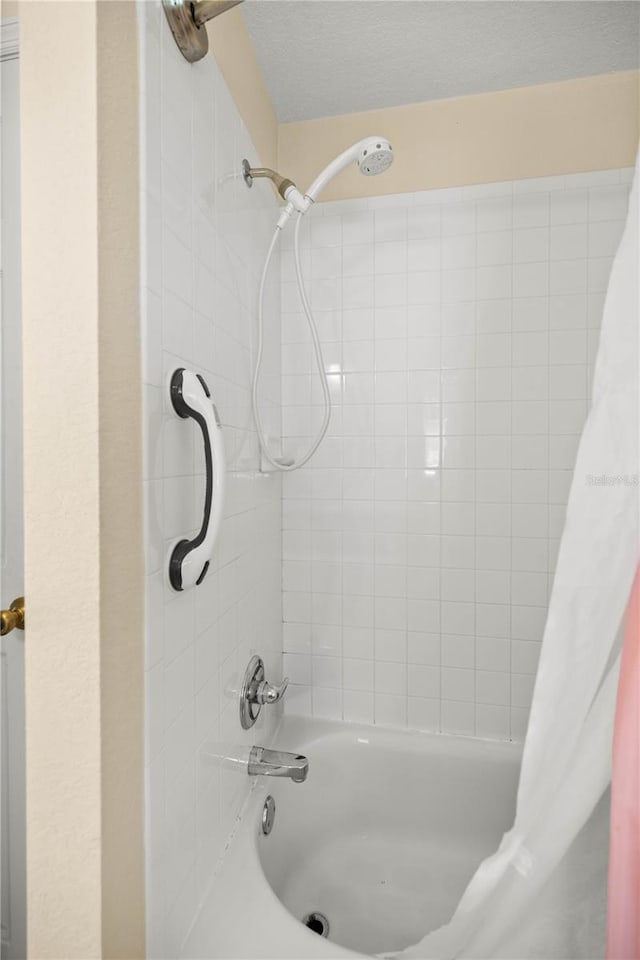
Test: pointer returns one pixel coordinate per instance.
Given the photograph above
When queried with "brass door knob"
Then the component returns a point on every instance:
(13, 618)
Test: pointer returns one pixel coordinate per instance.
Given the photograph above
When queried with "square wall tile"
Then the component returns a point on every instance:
(419, 542)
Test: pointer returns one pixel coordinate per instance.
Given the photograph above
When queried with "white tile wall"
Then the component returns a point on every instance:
(203, 239)
(459, 329)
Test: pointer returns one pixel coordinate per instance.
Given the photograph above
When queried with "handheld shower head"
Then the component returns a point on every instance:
(373, 155)
(376, 156)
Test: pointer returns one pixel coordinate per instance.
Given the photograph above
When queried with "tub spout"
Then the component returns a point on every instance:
(277, 763)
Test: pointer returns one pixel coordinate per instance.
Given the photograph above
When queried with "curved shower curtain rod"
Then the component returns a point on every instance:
(187, 19)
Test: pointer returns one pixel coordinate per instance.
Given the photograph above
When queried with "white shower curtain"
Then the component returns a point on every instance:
(567, 754)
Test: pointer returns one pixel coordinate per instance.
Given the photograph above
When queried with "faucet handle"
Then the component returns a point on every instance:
(256, 691)
(269, 693)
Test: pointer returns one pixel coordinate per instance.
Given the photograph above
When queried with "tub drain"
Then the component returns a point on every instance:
(318, 923)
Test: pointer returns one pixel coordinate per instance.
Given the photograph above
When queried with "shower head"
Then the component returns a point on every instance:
(373, 155)
(376, 156)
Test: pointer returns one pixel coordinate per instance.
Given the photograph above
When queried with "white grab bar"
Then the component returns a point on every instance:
(190, 397)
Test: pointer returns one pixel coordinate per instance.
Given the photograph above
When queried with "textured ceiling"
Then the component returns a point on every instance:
(326, 57)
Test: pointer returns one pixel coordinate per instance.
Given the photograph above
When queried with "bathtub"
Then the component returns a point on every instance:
(381, 839)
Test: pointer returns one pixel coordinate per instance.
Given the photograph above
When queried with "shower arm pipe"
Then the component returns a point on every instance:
(204, 10)
(285, 187)
(281, 183)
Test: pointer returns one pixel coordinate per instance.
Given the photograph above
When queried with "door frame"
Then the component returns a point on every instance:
(12, 701)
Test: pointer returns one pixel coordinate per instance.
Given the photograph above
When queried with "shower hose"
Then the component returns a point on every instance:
(284, 464)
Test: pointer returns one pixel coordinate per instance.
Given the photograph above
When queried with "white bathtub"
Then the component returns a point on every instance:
(381, 838)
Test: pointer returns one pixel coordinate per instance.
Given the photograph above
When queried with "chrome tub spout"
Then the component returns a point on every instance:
(277, 763)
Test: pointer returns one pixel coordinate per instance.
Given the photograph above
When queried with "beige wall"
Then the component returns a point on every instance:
(587, 124)
(577, 125)
(120, 425)
(230, 44)
(83, 541)
(9, 8)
